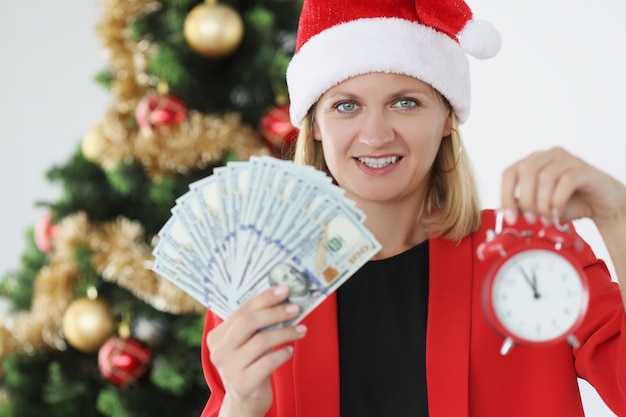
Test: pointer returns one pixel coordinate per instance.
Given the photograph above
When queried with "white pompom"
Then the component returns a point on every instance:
(480, 39)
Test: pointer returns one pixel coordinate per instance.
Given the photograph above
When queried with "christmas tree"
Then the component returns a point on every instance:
(93, 331)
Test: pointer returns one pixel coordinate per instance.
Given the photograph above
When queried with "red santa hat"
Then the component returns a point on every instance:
(426, 39)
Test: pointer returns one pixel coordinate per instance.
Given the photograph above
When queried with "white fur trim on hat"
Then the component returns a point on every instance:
(369, 45)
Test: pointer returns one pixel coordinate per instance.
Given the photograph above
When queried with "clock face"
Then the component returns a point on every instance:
(538, 296)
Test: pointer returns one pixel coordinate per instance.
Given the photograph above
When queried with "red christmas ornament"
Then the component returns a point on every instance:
(276, 128)
(45, 231)
(123, 361)
(156, 111)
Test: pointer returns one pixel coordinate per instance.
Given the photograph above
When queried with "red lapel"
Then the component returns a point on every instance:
(316, 364)
(448, 332)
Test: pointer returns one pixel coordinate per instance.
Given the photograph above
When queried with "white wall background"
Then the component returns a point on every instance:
(48, 100)
(559, 80)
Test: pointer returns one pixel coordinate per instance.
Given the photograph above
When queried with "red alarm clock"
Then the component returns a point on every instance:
(535, 294)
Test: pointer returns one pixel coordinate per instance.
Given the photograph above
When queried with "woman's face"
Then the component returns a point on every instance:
(380, 134)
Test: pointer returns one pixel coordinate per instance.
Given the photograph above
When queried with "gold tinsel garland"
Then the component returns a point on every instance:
(196, 143)
(128, 60)
(119, 255)
(40, 327)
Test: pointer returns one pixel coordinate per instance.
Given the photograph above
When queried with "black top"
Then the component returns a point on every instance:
(382, 312)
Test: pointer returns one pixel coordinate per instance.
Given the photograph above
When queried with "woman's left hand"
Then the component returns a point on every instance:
(554, 184)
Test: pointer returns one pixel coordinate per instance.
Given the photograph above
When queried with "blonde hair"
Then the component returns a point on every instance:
(451, 206)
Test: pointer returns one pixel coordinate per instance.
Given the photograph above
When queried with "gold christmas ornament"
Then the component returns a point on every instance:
(88, 323)
(93, 143)
(213, 30)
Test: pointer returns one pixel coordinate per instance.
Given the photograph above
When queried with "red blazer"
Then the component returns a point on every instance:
(466, 375)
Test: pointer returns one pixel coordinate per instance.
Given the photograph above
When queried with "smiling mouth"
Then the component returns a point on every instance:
(379, 162)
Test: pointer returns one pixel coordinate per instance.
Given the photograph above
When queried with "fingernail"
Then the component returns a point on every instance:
(292, 308)
(281, 290)
(510, 216)
(530, 217)
(301, 328)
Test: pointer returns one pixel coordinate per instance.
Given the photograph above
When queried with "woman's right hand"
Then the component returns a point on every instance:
(246, 357)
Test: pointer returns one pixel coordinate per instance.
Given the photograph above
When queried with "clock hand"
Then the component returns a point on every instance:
(531, 281)
(535, 290)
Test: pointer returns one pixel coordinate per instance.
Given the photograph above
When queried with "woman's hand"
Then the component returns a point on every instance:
(555, 184)
(246, 357)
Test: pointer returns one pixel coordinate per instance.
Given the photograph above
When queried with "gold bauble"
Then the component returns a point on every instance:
(93, 143)
(213, 30)
(88, 323)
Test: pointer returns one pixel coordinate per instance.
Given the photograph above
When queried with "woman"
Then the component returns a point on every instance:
(378, 90)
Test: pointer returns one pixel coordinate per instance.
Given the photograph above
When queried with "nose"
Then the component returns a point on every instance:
(376, 128)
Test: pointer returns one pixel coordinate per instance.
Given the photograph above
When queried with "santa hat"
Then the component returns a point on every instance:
(426, 39)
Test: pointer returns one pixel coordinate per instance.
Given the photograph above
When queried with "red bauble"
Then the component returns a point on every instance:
(276, 128)
(123, 361)
(156, 111)
(45, 230)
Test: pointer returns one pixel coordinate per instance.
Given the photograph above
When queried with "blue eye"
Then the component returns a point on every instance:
(405, 103)
(346, 106)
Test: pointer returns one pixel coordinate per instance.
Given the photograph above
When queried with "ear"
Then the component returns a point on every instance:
(447, 127)
(316, 132)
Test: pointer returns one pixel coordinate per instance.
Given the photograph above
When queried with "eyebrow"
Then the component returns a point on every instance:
(402, 92)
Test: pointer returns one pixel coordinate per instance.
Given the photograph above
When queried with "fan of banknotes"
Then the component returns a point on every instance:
(263, 222)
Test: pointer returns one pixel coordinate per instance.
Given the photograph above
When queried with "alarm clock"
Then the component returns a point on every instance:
(535, 293)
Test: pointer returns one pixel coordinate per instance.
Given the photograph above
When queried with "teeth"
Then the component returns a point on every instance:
(379, 162)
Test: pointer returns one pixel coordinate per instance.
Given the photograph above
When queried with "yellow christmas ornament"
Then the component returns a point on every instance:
(213, 30)
(93, 143)
(87, 323)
